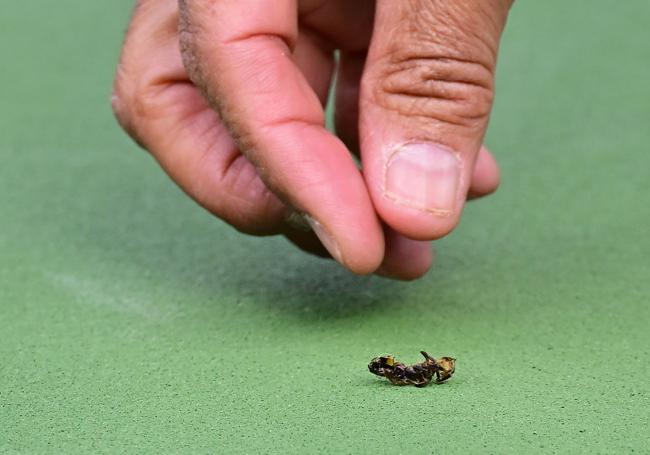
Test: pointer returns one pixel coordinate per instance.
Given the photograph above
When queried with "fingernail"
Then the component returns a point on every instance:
(424, 177)
(326, 238)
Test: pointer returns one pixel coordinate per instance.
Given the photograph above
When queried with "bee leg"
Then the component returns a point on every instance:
(421, 384)
(379, 371)
(393, 379)
(427, 356)
(440, 380)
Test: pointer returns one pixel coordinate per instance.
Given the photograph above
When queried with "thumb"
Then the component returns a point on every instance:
(426, 97)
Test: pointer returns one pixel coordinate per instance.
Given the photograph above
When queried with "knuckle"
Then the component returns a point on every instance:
(120, 103)
(134, 105)
(436, 86)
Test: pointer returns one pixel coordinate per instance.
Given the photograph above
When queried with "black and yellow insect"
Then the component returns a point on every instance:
(419, 374)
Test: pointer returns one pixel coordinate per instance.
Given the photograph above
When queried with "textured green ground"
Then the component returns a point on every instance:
(132, 321)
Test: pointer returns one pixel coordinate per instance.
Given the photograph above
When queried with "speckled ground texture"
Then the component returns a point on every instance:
(131, 321)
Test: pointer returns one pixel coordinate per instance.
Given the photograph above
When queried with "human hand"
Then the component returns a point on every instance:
(266, 66)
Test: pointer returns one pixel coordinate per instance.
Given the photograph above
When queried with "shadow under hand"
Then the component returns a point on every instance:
(315, 289)
(203, 262)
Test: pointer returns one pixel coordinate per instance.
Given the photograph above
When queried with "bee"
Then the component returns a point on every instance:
(419, 374)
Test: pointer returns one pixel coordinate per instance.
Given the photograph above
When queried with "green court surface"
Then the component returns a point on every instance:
(131, 321)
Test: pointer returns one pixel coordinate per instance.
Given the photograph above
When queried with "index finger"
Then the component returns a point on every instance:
(240, 53)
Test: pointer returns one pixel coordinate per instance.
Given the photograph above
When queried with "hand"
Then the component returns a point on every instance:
(235, 116)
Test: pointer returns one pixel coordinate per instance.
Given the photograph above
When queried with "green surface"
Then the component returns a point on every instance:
(132, 321)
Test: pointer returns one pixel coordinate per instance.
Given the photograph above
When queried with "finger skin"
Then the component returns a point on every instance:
(426, 96)
(156, 103)
(405, 259)
(486, 176)
(158, 106)
(246, 69)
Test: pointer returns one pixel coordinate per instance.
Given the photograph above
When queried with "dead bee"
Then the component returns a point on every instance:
(419, 374)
